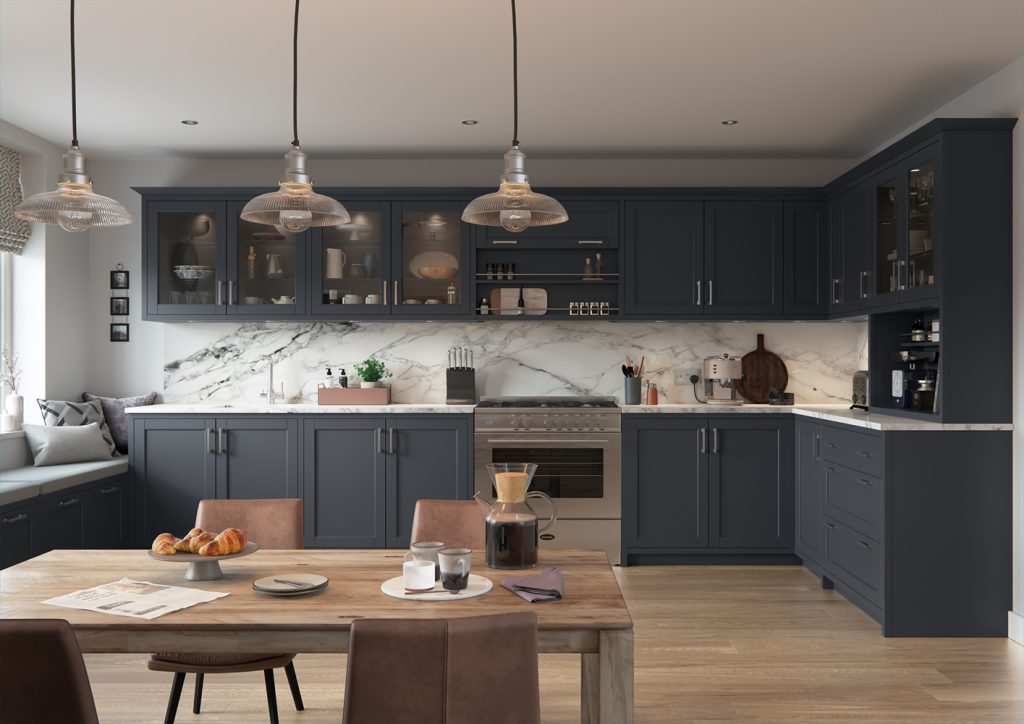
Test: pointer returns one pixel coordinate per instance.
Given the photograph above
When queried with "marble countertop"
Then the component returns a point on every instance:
(307, 408)
(831, 413)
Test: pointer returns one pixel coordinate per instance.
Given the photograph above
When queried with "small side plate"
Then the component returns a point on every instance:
(272, 585)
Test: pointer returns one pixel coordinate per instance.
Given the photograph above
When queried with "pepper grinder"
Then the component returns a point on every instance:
(652, 393)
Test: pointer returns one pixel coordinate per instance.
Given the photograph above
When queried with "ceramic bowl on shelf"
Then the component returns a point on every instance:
(192, 271)
(434, 265)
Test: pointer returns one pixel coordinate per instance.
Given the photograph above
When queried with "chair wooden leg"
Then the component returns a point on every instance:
(172, 703)
(197, 700)
(293, 684)
(268, 676)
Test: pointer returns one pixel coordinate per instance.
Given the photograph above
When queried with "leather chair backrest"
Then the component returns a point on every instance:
(474, 670)
(458, 523)
(42, 674)
(275, 523)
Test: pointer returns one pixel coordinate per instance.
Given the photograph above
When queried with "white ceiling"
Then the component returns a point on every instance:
(599, 78)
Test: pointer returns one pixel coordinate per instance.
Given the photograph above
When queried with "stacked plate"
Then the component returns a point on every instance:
(192, 271)
(290, 584)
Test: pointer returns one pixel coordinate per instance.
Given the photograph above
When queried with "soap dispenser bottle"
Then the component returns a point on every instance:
(329, 379)
(342, 378)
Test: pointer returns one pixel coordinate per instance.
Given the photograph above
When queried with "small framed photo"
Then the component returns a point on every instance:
(119, 306)
(119, 279)
(119, 332)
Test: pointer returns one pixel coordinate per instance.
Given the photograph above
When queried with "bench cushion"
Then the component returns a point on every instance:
(14, 492)
(52, 478)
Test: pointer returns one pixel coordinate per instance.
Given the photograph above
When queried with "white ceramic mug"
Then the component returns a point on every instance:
(418, 575)
(351, 299)
(373, 299)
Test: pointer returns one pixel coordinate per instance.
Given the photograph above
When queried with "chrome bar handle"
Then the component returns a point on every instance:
(714, 440)
(231, 292)
(221, 440)
(817, 446)
(391, 440)
(384, 283)
(698, 292)
(15, 519)
(905, 280)
(209, 441)
(595, 242)
(108, 491)
(380, 440)
(862, 275)
(509, 242)
(703, 440)
(220, 292)
(69, 501)
(711, 292)
(396, 302)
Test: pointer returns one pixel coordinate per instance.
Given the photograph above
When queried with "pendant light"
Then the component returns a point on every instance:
(295, 206)
(515, 206)
(73, 206)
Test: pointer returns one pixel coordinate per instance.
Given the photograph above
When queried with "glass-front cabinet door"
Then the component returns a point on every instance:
(887, 268)
(185, 260)
(350, 264)
(921, 273)
(432, 259)
(266, 268)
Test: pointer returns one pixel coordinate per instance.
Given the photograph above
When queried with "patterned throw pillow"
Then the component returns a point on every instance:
(59, 412)
(113, 413)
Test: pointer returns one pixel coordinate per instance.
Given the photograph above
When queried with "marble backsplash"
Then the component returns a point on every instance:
(225, 363)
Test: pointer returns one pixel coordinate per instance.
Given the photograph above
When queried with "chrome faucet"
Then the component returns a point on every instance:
(270, 393)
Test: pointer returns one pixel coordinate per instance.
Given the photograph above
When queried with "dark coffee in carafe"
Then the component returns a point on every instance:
(512, 544)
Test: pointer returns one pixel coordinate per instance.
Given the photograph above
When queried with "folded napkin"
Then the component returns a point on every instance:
(538, 588)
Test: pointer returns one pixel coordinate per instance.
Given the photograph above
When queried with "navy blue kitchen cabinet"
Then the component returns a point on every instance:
(353, 259)
(664, 259)
(257, 457)
(17, 527)
(105, 515)
(426, 458)
(852, 260)
(344, 467)
(809, 538)
(59, 523)
(743, 258)
(699, 489)
(806, 266)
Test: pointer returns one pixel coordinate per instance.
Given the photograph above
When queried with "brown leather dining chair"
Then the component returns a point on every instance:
(458, 523)
(271, 524)
(474, 670)
(42, 674)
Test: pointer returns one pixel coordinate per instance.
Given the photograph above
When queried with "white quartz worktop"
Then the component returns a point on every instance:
(830, 413)
(308, 408)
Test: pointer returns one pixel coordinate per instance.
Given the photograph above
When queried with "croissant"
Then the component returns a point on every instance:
(194, 540)
(228, 541)
(164, 544)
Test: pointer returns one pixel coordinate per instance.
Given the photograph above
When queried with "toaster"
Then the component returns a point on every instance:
(859, 395)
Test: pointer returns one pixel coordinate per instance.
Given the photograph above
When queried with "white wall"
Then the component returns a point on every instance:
(1002, 95)
(50, 288)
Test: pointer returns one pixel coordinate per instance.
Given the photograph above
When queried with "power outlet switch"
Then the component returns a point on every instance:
(682, 376)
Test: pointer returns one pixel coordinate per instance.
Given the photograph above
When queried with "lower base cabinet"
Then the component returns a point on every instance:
(701, 489)
(92, 515)
(911, 526)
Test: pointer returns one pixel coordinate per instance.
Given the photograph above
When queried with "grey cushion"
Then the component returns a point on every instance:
(17, 492)
(52, 478)
(72, 444)
(113, 412)
(60, 413)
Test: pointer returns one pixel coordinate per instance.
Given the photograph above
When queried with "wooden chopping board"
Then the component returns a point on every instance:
(762, 371)
(505, 301)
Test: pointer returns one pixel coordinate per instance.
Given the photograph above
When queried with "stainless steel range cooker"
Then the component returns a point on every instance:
(576, 443)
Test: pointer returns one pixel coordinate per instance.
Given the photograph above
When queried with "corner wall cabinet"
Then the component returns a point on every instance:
(707, 489)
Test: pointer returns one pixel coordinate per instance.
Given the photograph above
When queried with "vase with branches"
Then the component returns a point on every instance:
(14, 404)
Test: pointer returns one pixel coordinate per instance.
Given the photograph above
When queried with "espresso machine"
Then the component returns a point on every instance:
(720, 375)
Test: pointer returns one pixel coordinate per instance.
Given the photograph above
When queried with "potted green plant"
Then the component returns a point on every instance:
(371, 371)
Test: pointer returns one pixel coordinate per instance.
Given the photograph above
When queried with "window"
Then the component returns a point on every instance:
(6, 338)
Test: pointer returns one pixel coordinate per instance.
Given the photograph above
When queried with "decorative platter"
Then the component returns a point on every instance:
(478, 586)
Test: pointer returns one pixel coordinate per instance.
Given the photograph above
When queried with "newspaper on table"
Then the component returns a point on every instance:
(137, 599)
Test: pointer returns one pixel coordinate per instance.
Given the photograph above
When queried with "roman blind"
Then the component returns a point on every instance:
(14, 232)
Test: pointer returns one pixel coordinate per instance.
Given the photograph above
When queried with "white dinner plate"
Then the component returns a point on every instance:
(313, 581)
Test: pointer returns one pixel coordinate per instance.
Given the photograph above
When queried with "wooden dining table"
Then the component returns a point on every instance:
(591, 619)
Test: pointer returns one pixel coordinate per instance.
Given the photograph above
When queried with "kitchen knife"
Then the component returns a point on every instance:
(471, 359)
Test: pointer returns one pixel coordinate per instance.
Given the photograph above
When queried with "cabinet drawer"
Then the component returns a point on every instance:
(854, 559)
(854, 498)
(849, 448)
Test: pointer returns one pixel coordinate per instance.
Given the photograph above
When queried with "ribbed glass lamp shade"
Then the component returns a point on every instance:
(514, 206)
(73, 206)
(295, 205)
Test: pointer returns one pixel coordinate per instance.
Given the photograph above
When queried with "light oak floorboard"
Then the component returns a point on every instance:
(714, 644)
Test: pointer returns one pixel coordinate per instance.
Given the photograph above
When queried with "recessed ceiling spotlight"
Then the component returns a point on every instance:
(189, 122)
(469, 122)
(729, 122)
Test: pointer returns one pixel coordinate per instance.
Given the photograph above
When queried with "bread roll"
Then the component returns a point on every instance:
(228, 541)
(164, 544)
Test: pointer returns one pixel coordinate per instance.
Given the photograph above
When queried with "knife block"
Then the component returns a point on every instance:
(461, 387)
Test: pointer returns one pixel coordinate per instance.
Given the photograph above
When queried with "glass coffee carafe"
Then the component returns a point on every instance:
(511, 527)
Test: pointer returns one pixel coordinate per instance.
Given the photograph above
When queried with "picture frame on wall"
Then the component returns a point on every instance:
(119, 332)
(119, 306)
(119, 279)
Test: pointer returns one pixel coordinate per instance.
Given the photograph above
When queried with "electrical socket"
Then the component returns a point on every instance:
(682, 376)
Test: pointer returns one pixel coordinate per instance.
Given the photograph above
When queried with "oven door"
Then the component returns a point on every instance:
(580, 471)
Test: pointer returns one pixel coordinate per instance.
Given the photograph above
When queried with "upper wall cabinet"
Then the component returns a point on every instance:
(350, 264)
(806, 287)
(431, 269)
(705, 258)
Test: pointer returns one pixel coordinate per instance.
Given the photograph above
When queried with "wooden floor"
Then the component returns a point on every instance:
(713, 644)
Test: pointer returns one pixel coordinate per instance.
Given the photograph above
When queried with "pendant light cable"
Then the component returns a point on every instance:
(74, 90)
(295, 78)
(515, 78)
